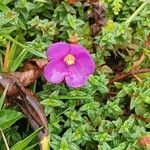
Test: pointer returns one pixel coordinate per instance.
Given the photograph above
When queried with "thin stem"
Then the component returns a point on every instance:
(128, 21)
(70, 97)
(121, 76)
(7, 147)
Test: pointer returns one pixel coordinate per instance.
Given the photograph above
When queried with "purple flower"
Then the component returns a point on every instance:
(69, 62)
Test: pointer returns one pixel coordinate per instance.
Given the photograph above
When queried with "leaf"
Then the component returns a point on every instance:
(6, 58)
(27, 101)
(3, 7)
(90, 106)
(53, 103)
(72, 21)
(23, 144)
(134, 102)
(6, 1)
(97, 15)
(31, 147)
(31, 71)
(117, 5)
(31, 50)
(145, 141)
(7, 30)
(9, 117)
(73, 39)
(64, 144)
(45, 143)
(2, 98)
(18, 61)
(4, 21)
(12, 53)
(4, 138)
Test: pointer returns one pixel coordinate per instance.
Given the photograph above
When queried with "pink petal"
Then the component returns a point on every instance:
(55, 71)
(76, 77)
(86, 63)
(77, 49)
(58, 50)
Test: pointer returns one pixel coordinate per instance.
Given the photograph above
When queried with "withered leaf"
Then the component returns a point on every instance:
(31, 71)
(97, 16)
(34, 64)
(26, 100)
(72, 1)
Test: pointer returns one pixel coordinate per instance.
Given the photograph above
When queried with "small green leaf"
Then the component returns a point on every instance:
(7, 30)
(90, 106)
(3, 7)
(72, 21)
(8, 117)
(53, 103)
(64, 144)
(146, 99)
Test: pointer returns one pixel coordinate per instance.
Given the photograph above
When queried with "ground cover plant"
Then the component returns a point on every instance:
(75, 75)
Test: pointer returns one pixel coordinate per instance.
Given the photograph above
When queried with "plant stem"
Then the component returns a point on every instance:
(70, 97)
(128, 21)
(121, 76)
(6, 144)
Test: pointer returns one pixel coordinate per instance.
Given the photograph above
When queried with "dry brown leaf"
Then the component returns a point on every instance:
(97, 16)
(31, 71)
(72, 1)
(26, 100)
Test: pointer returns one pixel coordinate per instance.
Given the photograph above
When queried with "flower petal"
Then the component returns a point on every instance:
(77, 49)
(76, 77)
(86, 63)
(58, 50)
(55, 71)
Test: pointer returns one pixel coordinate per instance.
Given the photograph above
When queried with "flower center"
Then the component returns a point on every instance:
(69, 59)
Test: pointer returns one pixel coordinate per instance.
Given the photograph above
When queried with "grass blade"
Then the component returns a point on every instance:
(18, 61)
(6, 143)
(2, 98)
(23, 143)
(31, 50)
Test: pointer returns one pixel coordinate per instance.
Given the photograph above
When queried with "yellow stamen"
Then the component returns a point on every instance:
(69, 59)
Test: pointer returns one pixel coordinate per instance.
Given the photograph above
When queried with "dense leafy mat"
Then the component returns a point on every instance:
(112, 111)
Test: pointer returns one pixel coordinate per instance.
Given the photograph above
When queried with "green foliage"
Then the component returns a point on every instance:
(116, 5)
(100, 115)
(8, 117)
(23, 143)
(114, 36)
